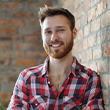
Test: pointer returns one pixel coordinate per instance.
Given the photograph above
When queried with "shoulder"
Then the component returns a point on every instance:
(88, 72)
(31, 71)
(91, 76)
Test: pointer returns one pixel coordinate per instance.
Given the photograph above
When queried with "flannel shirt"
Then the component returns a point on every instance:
(81, 90)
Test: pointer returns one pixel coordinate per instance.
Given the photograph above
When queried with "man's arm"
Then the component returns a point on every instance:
(93, 99)
(19, 99)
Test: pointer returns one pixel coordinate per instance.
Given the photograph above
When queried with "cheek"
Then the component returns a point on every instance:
(46, 40)
(69, 40)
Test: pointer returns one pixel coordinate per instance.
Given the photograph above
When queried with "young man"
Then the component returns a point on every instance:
(61, 83)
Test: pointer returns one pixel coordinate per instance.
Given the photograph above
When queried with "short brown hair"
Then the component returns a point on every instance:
(52, 11)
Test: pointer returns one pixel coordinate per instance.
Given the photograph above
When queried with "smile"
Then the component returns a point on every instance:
(56, 45)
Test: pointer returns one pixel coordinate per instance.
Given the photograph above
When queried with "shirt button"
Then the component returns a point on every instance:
(48, 82)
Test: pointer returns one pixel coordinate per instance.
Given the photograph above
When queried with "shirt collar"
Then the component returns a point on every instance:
(45, 67)
(75, 68)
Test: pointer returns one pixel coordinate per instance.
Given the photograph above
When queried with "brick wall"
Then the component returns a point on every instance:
(92, 45)
(20, 41)
(21, 45)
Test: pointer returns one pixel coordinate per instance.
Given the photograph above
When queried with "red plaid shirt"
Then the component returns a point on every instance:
(81, 90)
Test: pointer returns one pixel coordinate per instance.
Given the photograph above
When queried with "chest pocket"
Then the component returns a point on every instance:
(73, 99)
(75, 92)
(72, 103)
(39, 102)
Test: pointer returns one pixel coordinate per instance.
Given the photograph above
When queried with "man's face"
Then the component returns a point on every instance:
(57, 36)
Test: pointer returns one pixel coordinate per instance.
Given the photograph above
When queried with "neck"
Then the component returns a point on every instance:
(59, 66)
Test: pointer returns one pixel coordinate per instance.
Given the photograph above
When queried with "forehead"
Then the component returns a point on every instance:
(55, 21)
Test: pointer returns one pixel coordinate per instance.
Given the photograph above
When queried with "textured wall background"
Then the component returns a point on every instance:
(20, 41)
(21, 45)
(92, 45)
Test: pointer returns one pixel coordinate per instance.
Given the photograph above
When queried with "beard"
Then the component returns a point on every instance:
(59, 52)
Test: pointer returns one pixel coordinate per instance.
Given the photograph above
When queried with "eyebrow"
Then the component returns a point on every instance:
(57, 27)
(60, 27)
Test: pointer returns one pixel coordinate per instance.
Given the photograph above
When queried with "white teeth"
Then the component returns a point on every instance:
(56, 45)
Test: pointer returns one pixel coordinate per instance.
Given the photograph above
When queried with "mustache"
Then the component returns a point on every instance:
(55, 42)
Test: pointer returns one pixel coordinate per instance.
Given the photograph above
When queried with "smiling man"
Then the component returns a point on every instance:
(61, 83)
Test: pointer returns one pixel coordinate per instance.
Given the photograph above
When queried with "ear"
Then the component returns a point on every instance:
(75, 32)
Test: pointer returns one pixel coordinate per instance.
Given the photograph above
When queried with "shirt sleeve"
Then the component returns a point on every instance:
(93, 99)
(19, 99)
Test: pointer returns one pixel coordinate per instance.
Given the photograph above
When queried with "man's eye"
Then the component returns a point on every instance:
(48, 32)
(60, 30)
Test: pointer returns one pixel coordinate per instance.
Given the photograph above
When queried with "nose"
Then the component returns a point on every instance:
(54, 36)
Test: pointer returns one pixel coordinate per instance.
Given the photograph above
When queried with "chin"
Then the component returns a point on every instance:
(59, 56)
